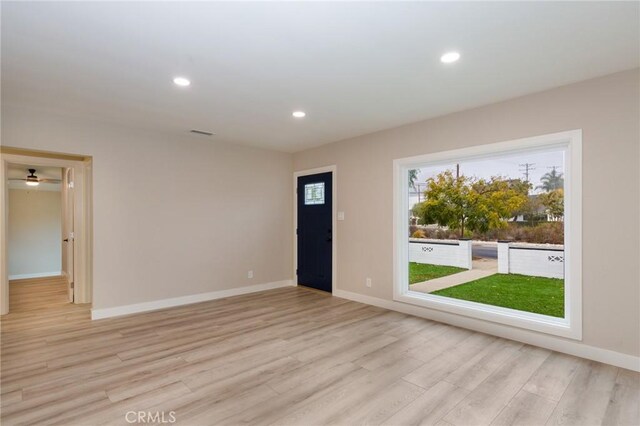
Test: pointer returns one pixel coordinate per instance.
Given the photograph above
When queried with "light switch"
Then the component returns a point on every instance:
(340, 215)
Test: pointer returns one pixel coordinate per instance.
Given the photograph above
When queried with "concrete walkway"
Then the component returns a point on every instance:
(481, 268)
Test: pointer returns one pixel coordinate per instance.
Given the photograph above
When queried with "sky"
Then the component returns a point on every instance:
(508, 166)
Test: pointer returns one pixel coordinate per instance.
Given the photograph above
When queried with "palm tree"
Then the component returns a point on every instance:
(551, 181)
(413, 176)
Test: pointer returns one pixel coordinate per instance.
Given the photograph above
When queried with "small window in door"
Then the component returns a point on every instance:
(314, 193)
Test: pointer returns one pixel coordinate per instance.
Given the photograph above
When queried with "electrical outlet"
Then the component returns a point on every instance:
(250, 274)
(368, 282)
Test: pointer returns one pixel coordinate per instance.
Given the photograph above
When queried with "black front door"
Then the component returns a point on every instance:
(314, 231)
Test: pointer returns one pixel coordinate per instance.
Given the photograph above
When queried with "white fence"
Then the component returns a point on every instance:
(537, 260)
(440, 252)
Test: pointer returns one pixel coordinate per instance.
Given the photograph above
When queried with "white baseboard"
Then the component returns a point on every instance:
(36, 275)
(546, 341)
(117, 311)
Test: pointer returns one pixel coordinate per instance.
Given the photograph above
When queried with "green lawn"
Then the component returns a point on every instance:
(419, 272)
(532, 294)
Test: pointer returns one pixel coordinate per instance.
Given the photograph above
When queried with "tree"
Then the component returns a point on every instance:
(413, 176)
(554, 202)
(551, 181)
(471, 203)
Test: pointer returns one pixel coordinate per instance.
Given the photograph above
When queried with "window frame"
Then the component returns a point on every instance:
(571, 325)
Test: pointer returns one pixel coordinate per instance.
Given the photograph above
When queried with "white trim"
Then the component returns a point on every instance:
(333, 169)
(554, 343)
(570, 326)
(117, 311)
(4, 231)
(36, 275)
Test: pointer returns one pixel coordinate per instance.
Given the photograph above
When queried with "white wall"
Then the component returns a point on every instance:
(173, 214)
(531, 259)
(438, 252)
(35, 232)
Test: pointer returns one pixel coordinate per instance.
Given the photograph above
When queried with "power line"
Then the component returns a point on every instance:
(526, 168)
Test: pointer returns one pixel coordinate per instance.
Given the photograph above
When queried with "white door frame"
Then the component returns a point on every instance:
(334, 221)
(83, 253)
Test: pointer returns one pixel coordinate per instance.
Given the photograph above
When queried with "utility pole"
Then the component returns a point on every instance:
(526, 168)
(457, 170)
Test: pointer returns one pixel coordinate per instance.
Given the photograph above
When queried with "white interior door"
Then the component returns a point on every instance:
(69, 230)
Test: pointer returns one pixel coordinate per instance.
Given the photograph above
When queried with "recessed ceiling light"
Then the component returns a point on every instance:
(299, 114)
(450, 57)
(181, 81)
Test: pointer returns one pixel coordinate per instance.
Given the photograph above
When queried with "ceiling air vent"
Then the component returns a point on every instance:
(201, 132)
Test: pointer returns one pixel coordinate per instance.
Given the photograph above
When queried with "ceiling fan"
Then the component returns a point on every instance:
(33, 180)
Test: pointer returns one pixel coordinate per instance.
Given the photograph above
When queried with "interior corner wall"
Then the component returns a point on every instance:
(606, 109)
(173, 215)
(34, 234)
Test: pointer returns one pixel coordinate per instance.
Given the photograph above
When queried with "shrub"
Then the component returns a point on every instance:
(418, 233)
(541, 233)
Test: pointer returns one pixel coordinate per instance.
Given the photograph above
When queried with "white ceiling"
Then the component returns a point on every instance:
(353, 67)
(19, 171)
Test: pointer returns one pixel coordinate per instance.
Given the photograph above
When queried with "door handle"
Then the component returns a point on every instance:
(66, 240)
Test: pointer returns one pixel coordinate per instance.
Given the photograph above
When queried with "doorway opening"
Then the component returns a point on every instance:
(315, 230)
(46, 230)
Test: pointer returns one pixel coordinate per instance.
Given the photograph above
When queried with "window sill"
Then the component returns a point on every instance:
(511, 317)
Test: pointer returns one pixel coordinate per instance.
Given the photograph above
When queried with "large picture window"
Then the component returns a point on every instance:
(493, 232)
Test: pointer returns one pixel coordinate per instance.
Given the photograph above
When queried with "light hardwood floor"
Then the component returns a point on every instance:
(289, 356)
